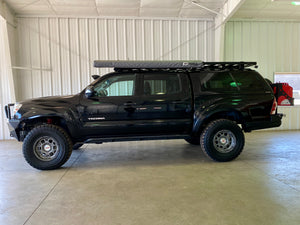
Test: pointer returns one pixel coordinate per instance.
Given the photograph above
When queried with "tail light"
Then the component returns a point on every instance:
(274, 107)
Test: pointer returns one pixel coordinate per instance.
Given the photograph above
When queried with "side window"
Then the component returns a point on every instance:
(119, 85)
(249, 80)
(162, 84)
(218, 82)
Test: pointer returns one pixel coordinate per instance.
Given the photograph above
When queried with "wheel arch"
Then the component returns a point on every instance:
(203, 120)
(30, 123)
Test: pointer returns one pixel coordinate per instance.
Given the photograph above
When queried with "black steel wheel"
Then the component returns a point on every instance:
(222, 140)
(47, 147)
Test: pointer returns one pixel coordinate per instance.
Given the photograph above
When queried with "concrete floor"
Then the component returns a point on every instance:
(156, 182)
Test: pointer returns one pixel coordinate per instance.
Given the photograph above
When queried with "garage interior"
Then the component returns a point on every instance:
(47, 47)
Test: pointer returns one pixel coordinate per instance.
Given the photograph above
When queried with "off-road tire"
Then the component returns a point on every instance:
(222, 140)
(77, 146)
(47, 139)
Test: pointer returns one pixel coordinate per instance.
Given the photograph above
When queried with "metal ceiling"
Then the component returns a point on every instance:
(268, 9)
(131, 8)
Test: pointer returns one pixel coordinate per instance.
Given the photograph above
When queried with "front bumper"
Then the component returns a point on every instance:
(13, 125)
(274, 121)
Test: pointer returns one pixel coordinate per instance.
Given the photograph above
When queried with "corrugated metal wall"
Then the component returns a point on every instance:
(274, 45)
(7, 37)
(276, 48)
(66, 47)
(7, 34)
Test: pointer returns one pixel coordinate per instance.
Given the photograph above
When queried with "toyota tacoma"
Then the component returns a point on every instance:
(210, 104)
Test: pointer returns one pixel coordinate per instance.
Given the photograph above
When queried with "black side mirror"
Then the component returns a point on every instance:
(89, 92)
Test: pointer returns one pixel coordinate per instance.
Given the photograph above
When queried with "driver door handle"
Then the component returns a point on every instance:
(130, 104)
(130, 107)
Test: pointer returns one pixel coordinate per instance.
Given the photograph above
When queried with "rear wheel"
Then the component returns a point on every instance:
(222, 140)
(47, 147)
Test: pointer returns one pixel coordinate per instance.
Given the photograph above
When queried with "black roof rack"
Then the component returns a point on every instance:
(120, 65)
(124, 64)
(229, 65)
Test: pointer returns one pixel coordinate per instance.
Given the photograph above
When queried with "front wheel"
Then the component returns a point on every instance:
(222, 140)
(47, 147)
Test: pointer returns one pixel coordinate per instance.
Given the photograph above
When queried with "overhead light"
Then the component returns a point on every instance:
(292, 2)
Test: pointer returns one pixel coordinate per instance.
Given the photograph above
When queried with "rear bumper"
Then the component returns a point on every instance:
(274, 121)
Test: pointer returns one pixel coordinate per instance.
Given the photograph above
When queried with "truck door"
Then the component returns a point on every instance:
(165, 104)
(112, 109)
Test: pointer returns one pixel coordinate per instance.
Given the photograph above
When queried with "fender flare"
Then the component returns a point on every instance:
(65, 118)
(201, 119)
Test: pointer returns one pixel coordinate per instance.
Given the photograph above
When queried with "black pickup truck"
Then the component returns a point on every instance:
(206, 103)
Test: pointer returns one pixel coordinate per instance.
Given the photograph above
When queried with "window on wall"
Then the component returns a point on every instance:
(293, 79)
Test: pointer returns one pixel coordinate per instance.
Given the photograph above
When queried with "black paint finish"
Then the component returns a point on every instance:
(180, 114)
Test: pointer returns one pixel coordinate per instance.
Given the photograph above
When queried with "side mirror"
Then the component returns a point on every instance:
(89, 92)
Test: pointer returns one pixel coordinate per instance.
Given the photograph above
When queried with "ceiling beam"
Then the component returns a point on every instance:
(226, 12)
(228, 9)
(7, 13)
(203, 7)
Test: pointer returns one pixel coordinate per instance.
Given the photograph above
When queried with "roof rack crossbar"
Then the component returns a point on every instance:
(235, 65)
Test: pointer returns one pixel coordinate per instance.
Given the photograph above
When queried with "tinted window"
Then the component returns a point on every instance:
(122, 85)
(249, 80)
(161, 84)
(218, 82)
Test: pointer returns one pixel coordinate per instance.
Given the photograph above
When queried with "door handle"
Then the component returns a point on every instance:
(130, 104)
(177, 102)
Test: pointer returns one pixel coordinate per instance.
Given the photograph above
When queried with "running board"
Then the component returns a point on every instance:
(135, 138)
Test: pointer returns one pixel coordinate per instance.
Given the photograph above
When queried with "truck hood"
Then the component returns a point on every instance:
(51, 101)
(47, 106)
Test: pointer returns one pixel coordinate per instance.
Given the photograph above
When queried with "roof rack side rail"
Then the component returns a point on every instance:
(125, 64)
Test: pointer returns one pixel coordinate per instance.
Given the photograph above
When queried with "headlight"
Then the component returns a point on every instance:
(17, 106)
